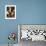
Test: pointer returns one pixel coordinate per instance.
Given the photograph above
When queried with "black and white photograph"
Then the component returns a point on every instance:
(31, 34)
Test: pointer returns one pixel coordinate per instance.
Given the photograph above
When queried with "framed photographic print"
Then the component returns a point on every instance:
(10, 11)
(33, 32)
